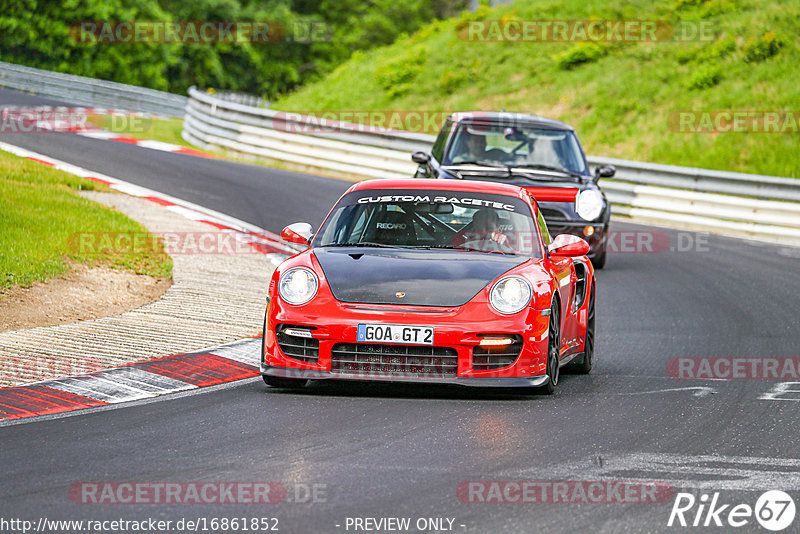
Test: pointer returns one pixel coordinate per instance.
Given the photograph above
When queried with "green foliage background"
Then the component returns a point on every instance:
(36, 33)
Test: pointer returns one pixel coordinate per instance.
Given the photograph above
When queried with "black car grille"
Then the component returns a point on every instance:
(487, 358)
(412, 361)
(296, 347)
(551, 215)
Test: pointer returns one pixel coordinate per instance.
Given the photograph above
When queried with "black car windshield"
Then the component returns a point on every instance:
(431, 219)
(515, 145)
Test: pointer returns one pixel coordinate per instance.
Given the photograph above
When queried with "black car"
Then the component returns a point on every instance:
(540, 154)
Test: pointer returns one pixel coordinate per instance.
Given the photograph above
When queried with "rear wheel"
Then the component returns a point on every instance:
(584, 366)
(553, 353)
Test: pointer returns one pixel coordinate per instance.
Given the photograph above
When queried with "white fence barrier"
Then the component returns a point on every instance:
(765, 207)
(90, 92)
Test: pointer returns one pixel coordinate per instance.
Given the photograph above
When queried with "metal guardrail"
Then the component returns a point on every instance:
(90, 92)
(766, 207)
(242, 98)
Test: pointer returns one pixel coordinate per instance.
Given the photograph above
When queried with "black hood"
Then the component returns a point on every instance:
(424, 278)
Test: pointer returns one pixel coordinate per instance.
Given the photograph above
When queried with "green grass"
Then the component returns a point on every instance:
(40, 214)
(164, 130)
(622, 97)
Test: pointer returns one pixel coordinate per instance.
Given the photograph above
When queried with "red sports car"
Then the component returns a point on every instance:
(431, 281)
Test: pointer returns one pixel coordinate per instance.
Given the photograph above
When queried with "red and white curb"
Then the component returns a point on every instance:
(81, 110)
(30, 119)
(142, 380)
(145, 143)
(135, 381)
(266, 242)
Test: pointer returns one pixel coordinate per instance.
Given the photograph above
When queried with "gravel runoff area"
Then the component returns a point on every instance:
(215, 298)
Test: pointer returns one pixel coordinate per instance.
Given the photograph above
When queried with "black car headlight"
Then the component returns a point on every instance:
(589, 204)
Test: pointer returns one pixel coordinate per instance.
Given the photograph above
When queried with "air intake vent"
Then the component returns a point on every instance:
(301, 348)
(412, 361)
(488, 358)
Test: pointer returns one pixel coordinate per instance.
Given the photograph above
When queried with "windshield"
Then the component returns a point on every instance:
(431, 219)
(515, 145)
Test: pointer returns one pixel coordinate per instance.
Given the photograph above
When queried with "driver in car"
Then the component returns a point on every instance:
(473, 148)
(486, 228)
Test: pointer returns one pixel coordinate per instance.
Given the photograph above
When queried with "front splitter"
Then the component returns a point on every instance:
(489, 382)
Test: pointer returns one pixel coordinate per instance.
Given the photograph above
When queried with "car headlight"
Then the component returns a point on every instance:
(589, 204)
(510, 295)
(298, 285)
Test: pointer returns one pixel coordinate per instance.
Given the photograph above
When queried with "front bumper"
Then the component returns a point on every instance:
(457, 330)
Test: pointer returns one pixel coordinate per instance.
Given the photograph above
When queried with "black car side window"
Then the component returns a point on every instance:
(438, 146)
(543, 228)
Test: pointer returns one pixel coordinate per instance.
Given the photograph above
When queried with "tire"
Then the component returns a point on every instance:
(584, 366)
(553, 353)
(284, 383)
(599, 261)
(264, 337)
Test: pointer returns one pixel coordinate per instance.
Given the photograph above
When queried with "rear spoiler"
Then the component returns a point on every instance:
(553, 194)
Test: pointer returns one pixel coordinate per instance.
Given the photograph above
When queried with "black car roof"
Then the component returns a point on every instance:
(505, 117)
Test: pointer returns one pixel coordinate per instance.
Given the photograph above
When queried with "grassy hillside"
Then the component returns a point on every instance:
(623, 97)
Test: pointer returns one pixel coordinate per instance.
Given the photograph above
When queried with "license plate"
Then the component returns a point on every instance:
(395, 333)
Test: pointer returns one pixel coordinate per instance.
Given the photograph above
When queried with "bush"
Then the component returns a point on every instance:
(398, 75)
(720, 49)
(763, 48)
(580, 53)
(452, 80)
(704, 77)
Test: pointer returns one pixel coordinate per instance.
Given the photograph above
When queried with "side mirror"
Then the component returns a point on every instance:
(606, 171)
(299, 233)
(567, 245)
(421, 158)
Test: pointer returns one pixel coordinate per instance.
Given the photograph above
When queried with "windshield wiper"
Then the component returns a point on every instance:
(464, 249)
(539, 166)
(483, 163)
(498, 251)
(362, 244)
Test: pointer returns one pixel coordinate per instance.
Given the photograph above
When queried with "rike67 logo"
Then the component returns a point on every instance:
(774, 510)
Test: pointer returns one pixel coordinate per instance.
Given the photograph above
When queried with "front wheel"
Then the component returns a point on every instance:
(599, 261)
(553, 354)
(284, 383)
(274, 381)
